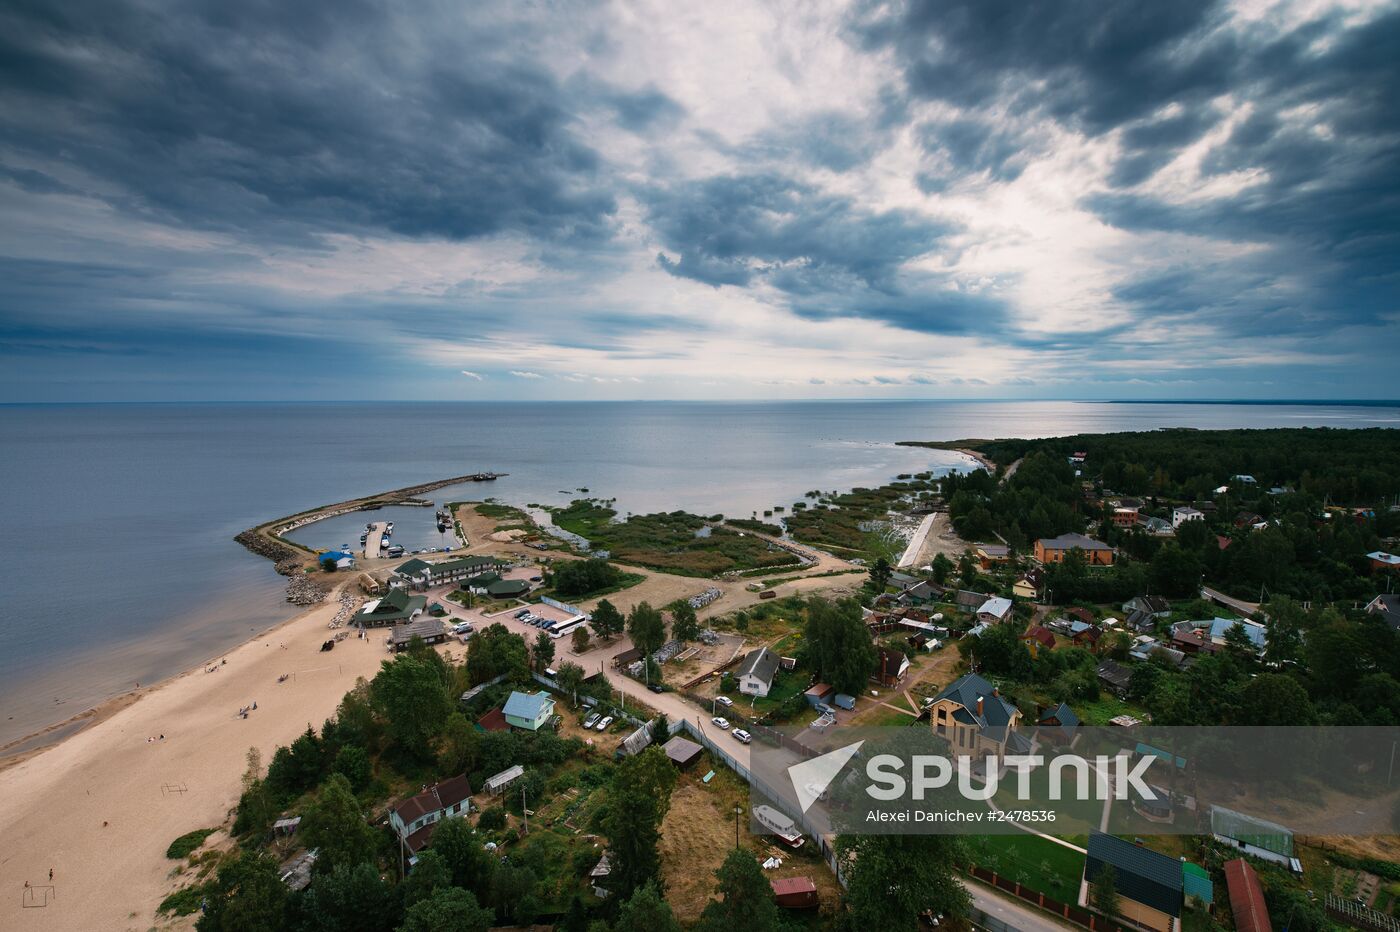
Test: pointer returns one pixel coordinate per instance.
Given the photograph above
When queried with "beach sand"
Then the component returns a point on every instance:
(149, 793)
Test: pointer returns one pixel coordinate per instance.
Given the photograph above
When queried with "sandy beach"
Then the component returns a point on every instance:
(100, 807)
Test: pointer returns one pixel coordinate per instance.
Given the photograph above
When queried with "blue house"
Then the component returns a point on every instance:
(524, 710)
(341, 559)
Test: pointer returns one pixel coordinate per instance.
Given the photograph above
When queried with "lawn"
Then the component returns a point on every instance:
(1036, 863)
(674, 542)
(1105, 708)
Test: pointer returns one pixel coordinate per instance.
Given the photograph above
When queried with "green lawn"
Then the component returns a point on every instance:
(1105, 708)
(1036, 863)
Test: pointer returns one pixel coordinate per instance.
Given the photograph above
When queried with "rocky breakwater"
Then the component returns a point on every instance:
(288, 561)
(305, 590)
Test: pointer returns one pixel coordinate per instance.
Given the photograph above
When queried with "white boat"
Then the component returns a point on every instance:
(779, 824)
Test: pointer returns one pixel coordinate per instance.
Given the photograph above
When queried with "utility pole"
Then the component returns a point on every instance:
(737, 810)
(524, 812)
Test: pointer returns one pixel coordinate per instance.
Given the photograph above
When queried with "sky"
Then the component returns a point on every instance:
(342, 199)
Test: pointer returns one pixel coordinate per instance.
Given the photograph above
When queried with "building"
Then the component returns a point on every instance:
(969, 601)
(1199, 889)
(682, 751)
(429, 630)
(414, 819)
(1151, 890)
(1158, 527)
(1181, 515)
(508, 589)
(394, 607)
(975, 719)
(1058, 725)
(1387, 607)
(1115, 677)
(795, 892)
(1039, 638)
(1125, 517)
(501, 782)
(1023, 588)
(1246, 897)
(989, 555)
(819, 694)
(1153, 605)
(339, 558)
(1256, 837)
(420, 574)
(1055, 549)
(529, 711)
(1190, 640)
(627, 657)
(890, 667)
(994, 610)
(1380, 560)
(1087, 636)
(495, 720)
(755, 674)
(1253, 631)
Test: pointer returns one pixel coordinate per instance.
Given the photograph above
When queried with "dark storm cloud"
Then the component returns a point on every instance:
(279, 118)
(829, 256)
(1320, 144)
(973, 146)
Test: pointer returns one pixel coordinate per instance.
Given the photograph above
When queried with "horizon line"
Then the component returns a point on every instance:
(1368, 402)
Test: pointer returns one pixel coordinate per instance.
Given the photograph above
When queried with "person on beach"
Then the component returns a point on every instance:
(255, 705)
(50, 875)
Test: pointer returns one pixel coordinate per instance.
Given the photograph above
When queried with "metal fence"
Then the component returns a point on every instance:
(1359, 915)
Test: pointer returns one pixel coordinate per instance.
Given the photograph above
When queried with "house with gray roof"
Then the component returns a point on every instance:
(755, 674)
(976, 720)
(1151, 889)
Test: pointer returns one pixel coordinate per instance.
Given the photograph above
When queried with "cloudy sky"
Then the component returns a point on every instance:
(969, 198)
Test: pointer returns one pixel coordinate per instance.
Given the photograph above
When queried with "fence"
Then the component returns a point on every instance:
(756, 783)
(1075, 914)
(589, 700)
(564, 606)
(1359, 915)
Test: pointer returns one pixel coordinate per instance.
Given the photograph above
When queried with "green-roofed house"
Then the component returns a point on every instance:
(1198, 885)
(508, 589)
(420, 574)
(394, 607)
(1256, 837)
(481, 582)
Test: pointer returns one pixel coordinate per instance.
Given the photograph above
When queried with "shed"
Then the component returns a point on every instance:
(682, 751)
(1198, 885)
(818, 694)
(1246, 897)
(844, 701)
(495, 720)
(497, 784)
(795, 892)
(428, 630)
(1257, 837)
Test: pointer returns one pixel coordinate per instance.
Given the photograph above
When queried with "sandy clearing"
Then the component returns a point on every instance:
(56, 802)
(942, 539)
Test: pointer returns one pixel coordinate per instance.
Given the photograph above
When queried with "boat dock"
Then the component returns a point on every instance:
(373, 535)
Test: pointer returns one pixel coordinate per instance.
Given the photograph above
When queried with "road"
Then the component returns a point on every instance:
(1011, 912)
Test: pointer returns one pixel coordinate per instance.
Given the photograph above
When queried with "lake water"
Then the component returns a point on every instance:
(120, 560)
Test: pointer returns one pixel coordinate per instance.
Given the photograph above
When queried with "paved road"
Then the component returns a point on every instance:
(1011, 912)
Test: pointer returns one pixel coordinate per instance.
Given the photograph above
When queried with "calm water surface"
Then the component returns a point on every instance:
(121, 566)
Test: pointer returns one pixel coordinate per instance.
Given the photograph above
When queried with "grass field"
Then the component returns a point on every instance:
(1034, 862)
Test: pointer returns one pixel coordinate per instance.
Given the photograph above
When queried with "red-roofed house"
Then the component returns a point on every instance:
(414, 819)
(1246, 897)
(1039, 638)
(794, 892)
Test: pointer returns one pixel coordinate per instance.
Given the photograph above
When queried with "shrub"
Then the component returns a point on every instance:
(492, 820)
(186, 843)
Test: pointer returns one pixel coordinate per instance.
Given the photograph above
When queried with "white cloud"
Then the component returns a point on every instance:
(473, 375)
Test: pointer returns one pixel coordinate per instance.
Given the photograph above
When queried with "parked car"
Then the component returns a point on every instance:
(741, 736)
(520, 615)
(592, 719)
(603, 725)
(657, 688)
(462, 628)
(722, 724)
(724, 701)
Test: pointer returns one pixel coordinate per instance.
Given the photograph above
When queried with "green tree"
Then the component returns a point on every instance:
(430, 873)
(646, 911)
(581, 639)
(459, 745)
(460, 849)
(838, 645)
(880, 572)
(410, 694)
(892, 879)
(352, 762)
(497, 651)
(1274, 699)
(660, 730)
(449, 909)
(647, 627)
(350, 899)
(1104, 897)
(1175, 571)
(607, 620)
(942, 568)
(247, 896)
(570, 675)
(637, 804)
(544, 651)
(685, 624)
(747, 900)
(336, 825)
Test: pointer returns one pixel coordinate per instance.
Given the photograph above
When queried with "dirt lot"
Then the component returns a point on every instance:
(699, 833)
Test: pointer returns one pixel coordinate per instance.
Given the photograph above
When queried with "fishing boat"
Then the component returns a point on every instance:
(780, 825)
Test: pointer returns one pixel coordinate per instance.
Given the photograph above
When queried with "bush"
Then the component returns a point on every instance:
(186, 843)
(183, 902)
(492, 820)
